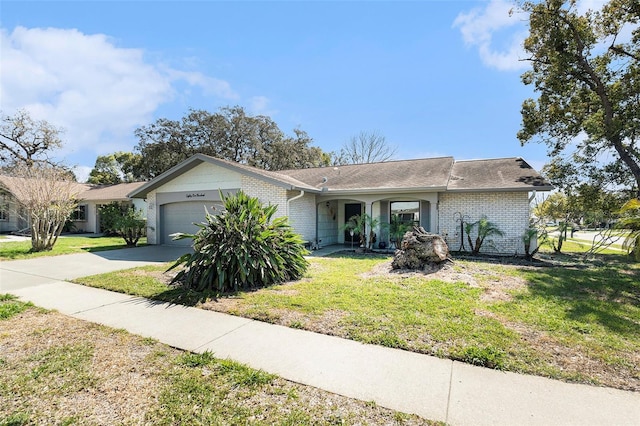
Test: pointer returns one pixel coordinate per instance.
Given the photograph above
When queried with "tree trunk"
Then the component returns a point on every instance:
(420, 249)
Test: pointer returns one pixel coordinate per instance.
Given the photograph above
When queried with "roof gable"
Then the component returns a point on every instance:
(274, 178)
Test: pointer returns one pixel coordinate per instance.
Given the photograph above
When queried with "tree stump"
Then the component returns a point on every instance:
(420, 250)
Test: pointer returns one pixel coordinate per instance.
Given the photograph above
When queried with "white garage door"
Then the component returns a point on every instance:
(180, 217)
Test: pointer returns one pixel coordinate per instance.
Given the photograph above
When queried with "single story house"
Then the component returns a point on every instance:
(86, 217)
(435, 193)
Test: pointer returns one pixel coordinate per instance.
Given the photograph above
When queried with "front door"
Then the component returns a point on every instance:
(351, 210)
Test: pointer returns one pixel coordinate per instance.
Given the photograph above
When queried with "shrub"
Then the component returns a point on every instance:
(124, 221)
(240, 248)
(109, 214)
(131, 226)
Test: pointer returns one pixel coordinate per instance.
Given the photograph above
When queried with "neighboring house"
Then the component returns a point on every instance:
(434, 193)
(86, 216)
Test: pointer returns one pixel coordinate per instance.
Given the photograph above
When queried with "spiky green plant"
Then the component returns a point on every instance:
(242, 247)
(528, 237)
(485, 229)
(361, 224)
(631, 222)
(397, 229)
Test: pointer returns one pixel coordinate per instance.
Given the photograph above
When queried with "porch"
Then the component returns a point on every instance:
(332, 216)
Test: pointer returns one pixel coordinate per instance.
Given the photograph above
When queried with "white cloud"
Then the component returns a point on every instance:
(97, 91)
(209, 85)
(259, 105)
(584, 5)
(82, 172)
(480, 27)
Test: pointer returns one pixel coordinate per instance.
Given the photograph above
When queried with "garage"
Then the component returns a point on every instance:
(180, 217)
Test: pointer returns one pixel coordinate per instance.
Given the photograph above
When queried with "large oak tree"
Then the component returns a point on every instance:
(230, 134)
(586, 73)
(25, 141)
(45, 192)
(116, 168)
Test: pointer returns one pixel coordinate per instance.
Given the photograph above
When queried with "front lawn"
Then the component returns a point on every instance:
(10, 250)
(59, 370)
(576, 321)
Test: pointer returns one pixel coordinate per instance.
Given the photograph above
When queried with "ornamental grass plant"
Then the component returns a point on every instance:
(242, 247)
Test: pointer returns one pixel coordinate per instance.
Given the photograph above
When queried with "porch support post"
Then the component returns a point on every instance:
(368, 209)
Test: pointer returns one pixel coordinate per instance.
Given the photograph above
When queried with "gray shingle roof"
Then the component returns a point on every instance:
(14, 185)
(428, 174)
(501, 174)
(84, 191)
(116, 192)
(421, 174)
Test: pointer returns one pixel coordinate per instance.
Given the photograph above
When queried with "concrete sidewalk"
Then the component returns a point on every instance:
(433, 388)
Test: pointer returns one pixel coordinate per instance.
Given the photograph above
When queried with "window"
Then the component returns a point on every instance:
(80, 213)
(407, 212)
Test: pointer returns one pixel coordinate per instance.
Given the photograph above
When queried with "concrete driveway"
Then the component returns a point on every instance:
(17, 274)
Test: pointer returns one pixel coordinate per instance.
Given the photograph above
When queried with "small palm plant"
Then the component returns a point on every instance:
(485, 229)
(530, 235)
(242, 247)
(359, 224)
(397, 229)
(631, 222)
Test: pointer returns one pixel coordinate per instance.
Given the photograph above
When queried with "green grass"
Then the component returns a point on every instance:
(10, 306)
(11, 250)
(591, 310)
(58, 376)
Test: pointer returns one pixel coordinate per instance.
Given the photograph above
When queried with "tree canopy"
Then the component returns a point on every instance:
(116, 168)
(586, 72)
(586, 204)
(230, 134)
(25, 141)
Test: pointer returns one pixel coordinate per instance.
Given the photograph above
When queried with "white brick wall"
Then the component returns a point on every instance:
(266, 193)
(508, 210)
(302, 215)
(328, 219)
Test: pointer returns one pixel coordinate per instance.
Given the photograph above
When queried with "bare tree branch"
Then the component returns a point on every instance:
(24, 140)
(366, 147)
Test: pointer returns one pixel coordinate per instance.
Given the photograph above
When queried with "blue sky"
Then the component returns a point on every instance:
(436, 78)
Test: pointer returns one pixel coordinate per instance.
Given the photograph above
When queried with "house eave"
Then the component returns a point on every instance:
(518, 189)
(362, 191)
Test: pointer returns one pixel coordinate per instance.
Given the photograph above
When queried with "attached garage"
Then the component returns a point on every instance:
(180, 217)
(177, 198)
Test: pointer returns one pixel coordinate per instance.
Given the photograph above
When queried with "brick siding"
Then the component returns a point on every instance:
(508, 210)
